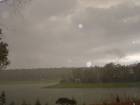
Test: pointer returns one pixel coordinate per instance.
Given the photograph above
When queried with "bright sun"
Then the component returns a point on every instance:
(80, 26)
(89, 64)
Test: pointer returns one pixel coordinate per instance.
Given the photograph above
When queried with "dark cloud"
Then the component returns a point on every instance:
(106, 27)
(46, 33)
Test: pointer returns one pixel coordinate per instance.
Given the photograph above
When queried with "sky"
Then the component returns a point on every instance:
(70, 33)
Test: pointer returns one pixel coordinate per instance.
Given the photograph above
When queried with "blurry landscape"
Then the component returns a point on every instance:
(110, 73)
(73, 52)
(93, 85)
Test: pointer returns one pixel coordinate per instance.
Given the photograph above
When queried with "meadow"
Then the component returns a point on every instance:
(96, 85)
(84, 93)
(47, 86)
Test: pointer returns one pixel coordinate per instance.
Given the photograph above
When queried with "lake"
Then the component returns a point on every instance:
(31, 92)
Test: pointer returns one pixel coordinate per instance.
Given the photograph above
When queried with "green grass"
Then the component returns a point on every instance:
(95, 85)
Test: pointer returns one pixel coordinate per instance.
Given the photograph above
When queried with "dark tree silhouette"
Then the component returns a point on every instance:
(62, 101)
(3, 53)
(72, 102)
(37, 102)
(117, 99)
(66, 101)
(3, 98)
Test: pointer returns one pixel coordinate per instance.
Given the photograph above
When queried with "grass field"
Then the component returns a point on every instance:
(95, 85)
(57, 84)
(29, 82)
(50, 91)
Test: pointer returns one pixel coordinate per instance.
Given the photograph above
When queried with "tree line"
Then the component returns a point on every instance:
(109, 73)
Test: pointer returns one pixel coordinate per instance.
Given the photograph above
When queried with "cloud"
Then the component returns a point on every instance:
(101, 3)
(47, 33)
(108, 26)
(42, 9)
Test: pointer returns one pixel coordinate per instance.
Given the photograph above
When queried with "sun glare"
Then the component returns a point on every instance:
(88, 64)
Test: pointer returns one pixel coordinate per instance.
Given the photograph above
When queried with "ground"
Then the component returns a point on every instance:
(95, 85)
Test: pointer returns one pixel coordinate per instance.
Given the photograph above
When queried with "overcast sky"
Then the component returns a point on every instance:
(65, 33)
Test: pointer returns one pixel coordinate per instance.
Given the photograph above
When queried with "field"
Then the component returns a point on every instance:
(95, 85)
(58, 84)
(19, 91)
(45, 85)
(53, 82)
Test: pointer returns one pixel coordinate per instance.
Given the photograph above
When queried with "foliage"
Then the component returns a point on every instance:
(107, 74)
(3, 53)
(37, 102)
(2, 98)
(66, 101)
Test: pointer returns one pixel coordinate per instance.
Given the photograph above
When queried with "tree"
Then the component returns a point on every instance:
(3, 98)
(66, 101)
(37, 102)
(3, 53)
(118, 99)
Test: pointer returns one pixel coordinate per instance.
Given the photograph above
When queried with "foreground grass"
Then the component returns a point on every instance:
(95, 85)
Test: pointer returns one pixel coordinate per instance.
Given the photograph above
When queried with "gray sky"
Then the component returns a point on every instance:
(63, 33)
